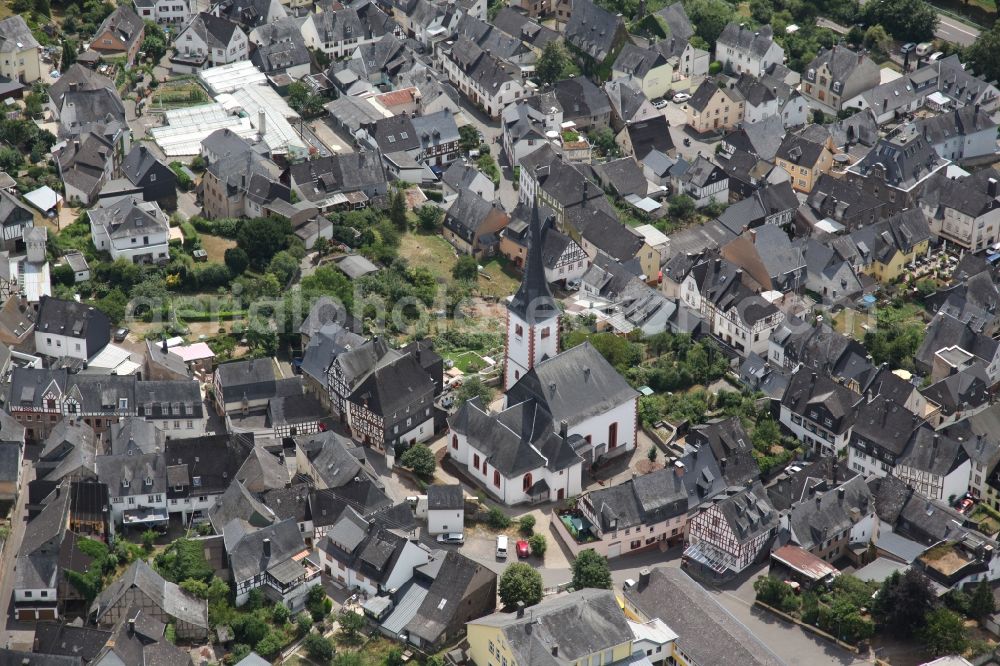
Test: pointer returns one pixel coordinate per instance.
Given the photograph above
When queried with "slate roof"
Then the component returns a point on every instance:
(577, 624)
(649, 135)
(139, 638)
(807, 387)
(574, 385)
(440, 496)
(453, 581)
(247, 554)
(520, 26)
(468, 213)
(533, 302)
(703, 95)
(946, 331)
(129, 217)
(906, 159)
(83, 77)
(677, 21)
(933, 453)
(516, 440)
(69, 640)
(366, 547)
(167, 596)
(884, 423)
(326, 176)
(215, 31)
(825, 515)
(124, 23)
(841, 62)
(15, 35)
(964, 195)
(731, 446)
(581, 99)
(637, 61)
(593, 29)
(69, 318)
(391, 388)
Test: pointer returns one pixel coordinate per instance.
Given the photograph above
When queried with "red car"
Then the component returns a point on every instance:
(522, 549)
(965, 505)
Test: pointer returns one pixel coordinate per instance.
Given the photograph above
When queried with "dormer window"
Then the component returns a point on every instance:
(149, 480)
(122, 404)
(125, 481)
(196, 481)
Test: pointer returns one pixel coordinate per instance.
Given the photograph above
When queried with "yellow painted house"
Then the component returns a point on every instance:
(645, 69)
(584, 628)
(885, 249)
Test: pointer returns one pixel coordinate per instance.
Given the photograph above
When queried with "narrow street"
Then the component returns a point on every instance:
(15, 634)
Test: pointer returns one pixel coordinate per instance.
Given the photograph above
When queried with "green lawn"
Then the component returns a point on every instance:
(430, 251)
(466, 361)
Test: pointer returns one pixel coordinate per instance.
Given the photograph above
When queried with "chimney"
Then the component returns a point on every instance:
(840, 493)
(563, 428)
(991, 187)
(131, 626)
(644, 576)
(261, 122)
(520, 609)
(267, 548)
(679, 469)
(819, 499)
(163, 347)
(555, 650)
(73, 86)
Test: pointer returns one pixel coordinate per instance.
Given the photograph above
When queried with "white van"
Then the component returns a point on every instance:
(501, 547)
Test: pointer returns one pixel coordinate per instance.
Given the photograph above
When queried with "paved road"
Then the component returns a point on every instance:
(952, 30)
(15, 634)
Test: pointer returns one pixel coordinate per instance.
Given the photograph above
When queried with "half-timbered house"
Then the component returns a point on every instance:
(729, 535)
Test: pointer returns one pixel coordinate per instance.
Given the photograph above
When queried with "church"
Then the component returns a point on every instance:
(562, 412)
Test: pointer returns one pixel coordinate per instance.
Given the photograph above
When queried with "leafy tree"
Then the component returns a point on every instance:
(590, 569)
(236, 260)
(303, 623)
(280, 614)
(394, 657)
(944, 632)
(429, 218)
(348, 659)
(903, 601)
(538, 544)
(262, 238)
(154, 42)
(269, 646)
(619, 351)
(603, 140)
(877, 39)
(318, 648)
(474, 387)
(982, 605)
(249, 629)
(298, 95)
(906, 20)
(198, 164)
(552, 63)
(68, 54)
(652, 453)
(351, 624)
(984, 54)
(681, 207)
(761, 11)
(520, 582)
(420, 459)
(709, 17)
(526, 524)
(466, 268)
(284, 266)
(958, 601)
(63, 274)
(766, 434)
(468, 138)
(397, 210)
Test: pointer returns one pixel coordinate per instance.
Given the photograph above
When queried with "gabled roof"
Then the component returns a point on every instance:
(69, 318)
(215, 31)
(247, 556)
(825, 515)
(167, 596)
(572, 626)
(731, 446)
(124, 23)
(747, 40)
(593, 29)
(637, 61)
(649, 135)
(15, 35)
(574, 385)
(580, 98)
(677, 21)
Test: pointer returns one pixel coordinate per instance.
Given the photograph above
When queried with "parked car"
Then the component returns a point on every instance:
(934, 57)
(501, 547)
(522, 548)
(659, 103)
(965, 505)
(681, 97)
(453, 538)
(121, 334)
(907, 47)
(924, 48)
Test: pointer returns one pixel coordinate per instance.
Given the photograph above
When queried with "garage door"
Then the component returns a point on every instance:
(47, 614)
(614, 549)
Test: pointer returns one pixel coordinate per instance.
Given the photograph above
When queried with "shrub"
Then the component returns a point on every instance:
(497, 519)
(420, 459)
(538, 545)
(280, 614)
(527, 524)
(318, 648)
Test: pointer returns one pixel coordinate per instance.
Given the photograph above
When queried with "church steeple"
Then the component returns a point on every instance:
(533, 302)
(532, 314)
